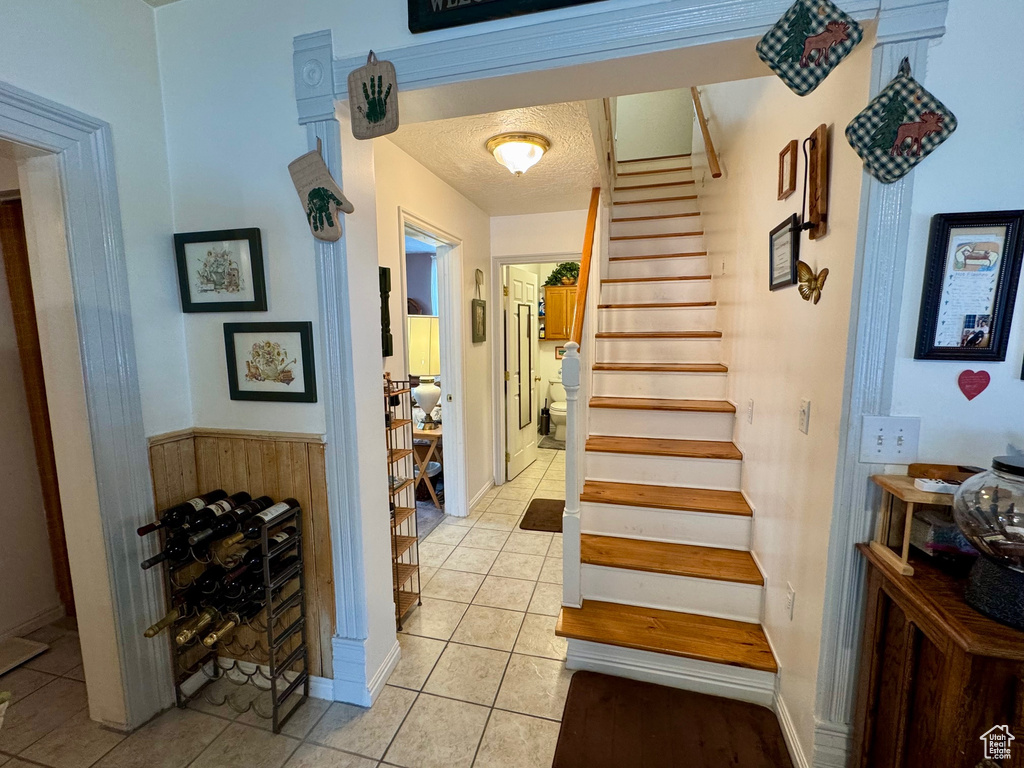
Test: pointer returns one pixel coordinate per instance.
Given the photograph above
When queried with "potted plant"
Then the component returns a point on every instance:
(566, 273)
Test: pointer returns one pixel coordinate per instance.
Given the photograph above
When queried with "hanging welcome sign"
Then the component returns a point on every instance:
(425, 15)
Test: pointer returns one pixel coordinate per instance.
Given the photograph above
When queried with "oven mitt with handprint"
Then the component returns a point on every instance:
(321, 197)
(901, 126)
(373, 98)
(808, 42)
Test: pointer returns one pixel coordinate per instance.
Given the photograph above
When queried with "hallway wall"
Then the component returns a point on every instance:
(781, 349)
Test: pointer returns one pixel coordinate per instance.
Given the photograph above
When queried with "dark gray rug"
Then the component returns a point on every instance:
(544, 515)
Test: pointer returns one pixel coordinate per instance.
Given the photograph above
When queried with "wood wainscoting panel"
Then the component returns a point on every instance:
(279, 465)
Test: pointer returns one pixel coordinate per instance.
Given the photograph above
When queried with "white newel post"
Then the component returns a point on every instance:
(571, 593)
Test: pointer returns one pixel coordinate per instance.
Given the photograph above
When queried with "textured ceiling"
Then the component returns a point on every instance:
(455, 151)
(158, 3)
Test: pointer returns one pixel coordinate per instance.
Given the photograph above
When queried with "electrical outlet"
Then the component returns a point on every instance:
(890, 439)
(790, 599)
(805, 416)
(750, 411)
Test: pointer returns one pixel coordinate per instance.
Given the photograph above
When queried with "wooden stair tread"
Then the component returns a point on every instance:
(656, 218)
(680, 169)
(651, 159)
(659, 335)
(663, 367)
(660, 305)
(653, 279)
(722, 641)
(662, 404)
(679, 198)
(659, 235)
(664, 446)
(658, 256)
(674, 559)
(655, 186)
(665, 497)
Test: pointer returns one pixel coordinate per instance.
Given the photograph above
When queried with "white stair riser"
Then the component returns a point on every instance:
(653, 165)
(673, 425)
(661, 350)
(656, 209)
(665, 319)
(652, 246)
(657, 384)
(659, 291)
(655, 226)
(675, 471)
(739, 683)
(721, 599)
(662, 177)
(683, 266)
(702, 529)
(653, 193)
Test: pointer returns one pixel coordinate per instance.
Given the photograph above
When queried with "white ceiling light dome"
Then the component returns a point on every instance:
(518, 152)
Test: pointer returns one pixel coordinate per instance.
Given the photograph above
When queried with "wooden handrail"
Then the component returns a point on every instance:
(709, 145)
(587, 255)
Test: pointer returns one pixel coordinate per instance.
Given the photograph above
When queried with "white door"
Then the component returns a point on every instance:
(521, 350)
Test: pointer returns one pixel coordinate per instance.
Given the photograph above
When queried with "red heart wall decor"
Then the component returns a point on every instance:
(973, 383)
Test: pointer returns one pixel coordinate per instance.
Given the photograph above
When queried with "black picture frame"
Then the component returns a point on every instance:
(251, 235)
(305, 332)
(942, 286)
(786, 274)
(426, 15)
(478, 320)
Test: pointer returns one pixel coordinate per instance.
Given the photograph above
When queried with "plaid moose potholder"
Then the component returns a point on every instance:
(899, 128)
(808, 42)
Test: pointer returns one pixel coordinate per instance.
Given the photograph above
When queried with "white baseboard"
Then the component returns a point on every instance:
(40, 620)
(321, 688)
(796, 751)
(351, 682)
(738, 683)
(833, 744)
(382, 674)
(480, 494)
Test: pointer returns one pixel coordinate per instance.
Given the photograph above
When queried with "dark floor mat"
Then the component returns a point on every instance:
(612, 722)
(544, 515)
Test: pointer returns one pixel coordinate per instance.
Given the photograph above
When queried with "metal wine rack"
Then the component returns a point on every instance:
(405, 567)
(265, 662)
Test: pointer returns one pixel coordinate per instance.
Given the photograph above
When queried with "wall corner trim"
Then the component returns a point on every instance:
(352, 683)
(312, 61)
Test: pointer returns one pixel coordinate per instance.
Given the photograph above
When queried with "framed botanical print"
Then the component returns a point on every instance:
(221, 271)
(479, 321)
(970, 284)
(783, 253)
(270, 361)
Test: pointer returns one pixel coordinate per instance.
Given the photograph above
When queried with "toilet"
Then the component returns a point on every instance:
(557, 408)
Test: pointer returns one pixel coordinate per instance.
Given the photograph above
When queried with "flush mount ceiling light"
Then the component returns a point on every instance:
(518, 152)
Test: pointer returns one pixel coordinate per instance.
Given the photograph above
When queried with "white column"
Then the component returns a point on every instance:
(571, 517)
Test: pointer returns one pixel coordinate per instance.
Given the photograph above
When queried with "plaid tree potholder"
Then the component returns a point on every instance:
(808, 42)
(899, 128)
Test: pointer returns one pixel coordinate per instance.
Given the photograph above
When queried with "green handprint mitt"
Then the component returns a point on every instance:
(373, 98)
(322, 199)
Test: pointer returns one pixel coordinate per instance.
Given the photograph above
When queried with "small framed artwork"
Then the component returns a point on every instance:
(479, 310)
(559, 353)
(787, 170)
(221, 271)
(270, 361)
(784, 253)
(970, 284)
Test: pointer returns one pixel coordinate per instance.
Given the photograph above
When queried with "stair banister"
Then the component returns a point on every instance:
(709, 144)
(575, 422)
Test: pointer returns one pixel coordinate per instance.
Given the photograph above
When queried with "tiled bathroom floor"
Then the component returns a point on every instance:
(481, 681)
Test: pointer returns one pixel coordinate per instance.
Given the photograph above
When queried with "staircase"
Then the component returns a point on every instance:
(670, 591)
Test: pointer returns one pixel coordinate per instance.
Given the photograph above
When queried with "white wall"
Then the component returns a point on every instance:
(419, 280)
(27, 587)
(8, 174)
(402, 183)
(780, 348)
(103, 62)
(653, 124)
(984, 151)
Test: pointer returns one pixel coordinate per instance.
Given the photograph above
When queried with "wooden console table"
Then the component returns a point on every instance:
(423, 457)
(934, 673)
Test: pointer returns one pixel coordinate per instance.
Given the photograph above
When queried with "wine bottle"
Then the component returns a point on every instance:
(172, 616)
(231, 520)
(175, 516)
(255, 555)
(231, 620)
(207, 515)
(254, 526)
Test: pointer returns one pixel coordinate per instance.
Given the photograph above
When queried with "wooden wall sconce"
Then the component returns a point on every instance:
(816, 156)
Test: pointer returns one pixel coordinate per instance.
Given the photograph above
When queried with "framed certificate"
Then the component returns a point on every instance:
(970, 284)
(784, 253)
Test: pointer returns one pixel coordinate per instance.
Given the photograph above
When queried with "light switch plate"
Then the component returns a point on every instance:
(790, 600)
(890, 439)
(750, 411)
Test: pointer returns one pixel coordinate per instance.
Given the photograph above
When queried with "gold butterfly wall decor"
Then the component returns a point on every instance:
(810, 284)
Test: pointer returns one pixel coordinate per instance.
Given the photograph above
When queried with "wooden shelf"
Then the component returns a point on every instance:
(404, 391)
(397, 454)
(405, 571)
(397, 490)
(399, 439)
(402, 545)
(399, 423)
(406, 601)
(401, 515)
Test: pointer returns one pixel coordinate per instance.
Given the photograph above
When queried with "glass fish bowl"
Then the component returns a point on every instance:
(989, 510)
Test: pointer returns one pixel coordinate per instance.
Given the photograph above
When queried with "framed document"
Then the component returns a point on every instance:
(970, 284)
(784, 253)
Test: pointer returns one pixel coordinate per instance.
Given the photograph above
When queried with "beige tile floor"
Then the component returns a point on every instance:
(482, 680)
